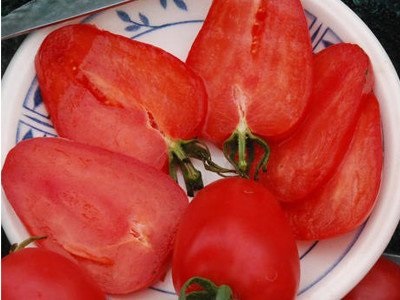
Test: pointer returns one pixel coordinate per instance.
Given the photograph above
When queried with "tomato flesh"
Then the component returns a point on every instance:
(235, 233)
(123, 95)
(347, 199)
(97, 208)
(35, 273)
(255, 59)
(305, 160)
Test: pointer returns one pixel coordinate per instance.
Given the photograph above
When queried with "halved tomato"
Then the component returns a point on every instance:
(256, 61)
(112, 214)
(347, 199)
(305, 160)
(126, 96)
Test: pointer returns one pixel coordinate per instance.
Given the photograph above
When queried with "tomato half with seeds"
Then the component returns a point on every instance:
(98, 208)
(235, 233)
(306, 159)
(256, 61)
(122, 95)
(36, 273)
(347, 199)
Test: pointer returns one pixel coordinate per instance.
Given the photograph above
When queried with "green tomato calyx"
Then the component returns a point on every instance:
(209, 291)
(239, 150)
(180, 155)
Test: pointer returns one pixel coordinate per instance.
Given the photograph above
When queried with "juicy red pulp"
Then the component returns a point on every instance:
(256, 66)
(102, 89)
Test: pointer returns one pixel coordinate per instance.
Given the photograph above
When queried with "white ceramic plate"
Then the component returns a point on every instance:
(329, 268)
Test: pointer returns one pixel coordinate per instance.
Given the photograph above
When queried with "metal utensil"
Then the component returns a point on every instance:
(40, 13)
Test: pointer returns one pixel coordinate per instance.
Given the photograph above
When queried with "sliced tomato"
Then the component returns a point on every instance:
(347, 199)
(119, 94)
(256, 61)
(235, 233)
(100, 209)
(37, 273)
(301, 163)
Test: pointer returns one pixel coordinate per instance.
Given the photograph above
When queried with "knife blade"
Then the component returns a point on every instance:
(393, 257)
(41, 13)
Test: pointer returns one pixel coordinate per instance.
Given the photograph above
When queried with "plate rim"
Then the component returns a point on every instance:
(336, 7)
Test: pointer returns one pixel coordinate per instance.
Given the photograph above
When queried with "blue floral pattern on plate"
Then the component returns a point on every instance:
(179, 3)
(142, 24)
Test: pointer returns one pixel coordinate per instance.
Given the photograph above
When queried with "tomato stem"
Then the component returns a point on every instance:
(243, 164)
(19, 246)
(239, 150)
(210, 290)
(192, 177)
(180, 154)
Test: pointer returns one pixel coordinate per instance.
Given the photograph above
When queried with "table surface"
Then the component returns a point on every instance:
(382, 17)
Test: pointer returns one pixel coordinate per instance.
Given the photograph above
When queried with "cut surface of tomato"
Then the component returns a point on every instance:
(235, 233)
(256, 65)
(307, 158)
(347, 199)
(99, 208)
(123, 95)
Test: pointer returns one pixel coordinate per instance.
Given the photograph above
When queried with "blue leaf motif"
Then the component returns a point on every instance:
(37, 98)
(327, 43)
(144, 19)
(163, 3)
(28, 135)
(181, 4)
(134, 27)
(314, 35)
(123, 16)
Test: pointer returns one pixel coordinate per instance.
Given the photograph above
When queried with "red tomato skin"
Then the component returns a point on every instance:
(305, 160)
(381, 283)
(113, 92)
(235, 233)
(255, 62)
(98, 208)
(347, 199)
(35, 273)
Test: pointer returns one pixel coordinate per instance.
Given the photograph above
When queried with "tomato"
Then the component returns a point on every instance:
(235, 233)
(119, 94)
(256, 61)
(305, 160)
(381, 283)
(347, 199)
(35, 273)
(100, 209)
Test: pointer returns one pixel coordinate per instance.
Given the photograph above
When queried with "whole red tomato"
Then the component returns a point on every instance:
(35, 273)
(381, 283)
(235, 233)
